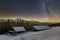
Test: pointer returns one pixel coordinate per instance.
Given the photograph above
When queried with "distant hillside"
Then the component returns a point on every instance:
(55, 24)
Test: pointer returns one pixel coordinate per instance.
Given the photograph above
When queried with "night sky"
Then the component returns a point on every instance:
(39, 10)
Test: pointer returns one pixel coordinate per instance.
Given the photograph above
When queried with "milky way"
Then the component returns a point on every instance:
(33, 9)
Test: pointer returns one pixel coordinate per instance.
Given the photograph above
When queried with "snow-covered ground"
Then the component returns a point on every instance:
(51, 34)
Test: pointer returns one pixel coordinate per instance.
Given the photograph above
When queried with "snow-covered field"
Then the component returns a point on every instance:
(51, 34)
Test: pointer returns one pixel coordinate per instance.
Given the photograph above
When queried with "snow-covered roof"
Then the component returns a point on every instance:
(18, 29)
(41, 27)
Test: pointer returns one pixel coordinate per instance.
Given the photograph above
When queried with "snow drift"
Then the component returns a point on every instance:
(51, 34)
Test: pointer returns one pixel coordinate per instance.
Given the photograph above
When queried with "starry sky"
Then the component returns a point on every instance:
(39, 10)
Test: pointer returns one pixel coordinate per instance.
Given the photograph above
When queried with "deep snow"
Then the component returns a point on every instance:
(51, 34)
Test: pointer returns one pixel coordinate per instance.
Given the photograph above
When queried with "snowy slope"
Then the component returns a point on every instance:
(51, 34)
(6, 37)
